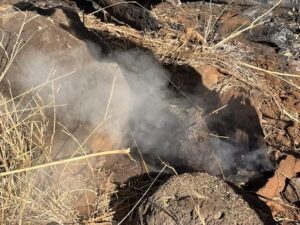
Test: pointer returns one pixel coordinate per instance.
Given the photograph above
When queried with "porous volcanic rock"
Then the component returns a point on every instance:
(196, 199)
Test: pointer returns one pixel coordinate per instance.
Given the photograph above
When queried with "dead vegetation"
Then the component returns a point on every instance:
(30, 192)
(23, 145)
(24, 127)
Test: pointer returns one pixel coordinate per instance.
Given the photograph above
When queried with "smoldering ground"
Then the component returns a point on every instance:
(127, 93)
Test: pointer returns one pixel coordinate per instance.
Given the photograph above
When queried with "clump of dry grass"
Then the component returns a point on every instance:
(23, 143)
(31, 190)
(24, 132)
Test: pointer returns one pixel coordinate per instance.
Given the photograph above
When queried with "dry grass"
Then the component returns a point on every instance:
(29, 190)
(230, 58)
(18, 44)
(33, 189)
(32, 197)
(24, 144)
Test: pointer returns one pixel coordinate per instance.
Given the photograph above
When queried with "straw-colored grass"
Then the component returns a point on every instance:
(23, 143)
(31, 190)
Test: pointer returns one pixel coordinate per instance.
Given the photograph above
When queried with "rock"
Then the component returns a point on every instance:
(284, 178)
(210, 75)
(196, 199)
(292, 190)
(113, 10)
(274, 35)
(284, 3)
(56, 30)
(57, 39)
(132, 14)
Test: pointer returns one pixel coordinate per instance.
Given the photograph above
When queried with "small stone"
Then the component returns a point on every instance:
(218, 215)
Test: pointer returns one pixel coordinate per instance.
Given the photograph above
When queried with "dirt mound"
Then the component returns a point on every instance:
(194, 198)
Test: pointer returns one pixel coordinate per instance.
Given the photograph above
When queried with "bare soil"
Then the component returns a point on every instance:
(176, 201)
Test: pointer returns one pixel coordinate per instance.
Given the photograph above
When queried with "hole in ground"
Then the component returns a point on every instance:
(229, 143)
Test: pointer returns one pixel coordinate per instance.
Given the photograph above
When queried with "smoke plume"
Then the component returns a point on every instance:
(129, 91)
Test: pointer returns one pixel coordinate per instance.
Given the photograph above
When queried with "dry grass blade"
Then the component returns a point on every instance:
(275, 74)
(269, 71)
(120, 3)
(200, 216)
(65, 161)
(110, 97)
(19, 43)
(292, 117)
(254, 24)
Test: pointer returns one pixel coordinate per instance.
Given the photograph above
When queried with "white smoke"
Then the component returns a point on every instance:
(129, 88)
